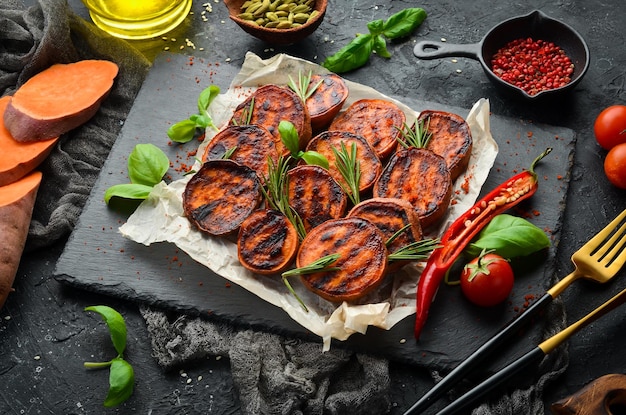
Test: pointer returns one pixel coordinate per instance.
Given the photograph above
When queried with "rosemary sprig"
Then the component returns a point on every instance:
(276, 194)
(415, 251)
(324, 264)
(303, 88)
(417, 137)
(246, 115)
(229, 153)
(350, 169)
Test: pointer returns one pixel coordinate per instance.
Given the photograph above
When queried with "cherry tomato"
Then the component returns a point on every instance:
(615, 165)
(487, 280)
(610, 126)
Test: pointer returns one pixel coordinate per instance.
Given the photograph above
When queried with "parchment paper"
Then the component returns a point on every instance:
(160, 217)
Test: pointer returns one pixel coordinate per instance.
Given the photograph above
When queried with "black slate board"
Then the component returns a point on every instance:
(98, 258)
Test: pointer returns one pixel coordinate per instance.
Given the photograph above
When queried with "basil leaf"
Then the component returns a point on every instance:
(352, 56)
(376, 27)
(201, 120)
(509, 236)
(121, 382)
(380, 47)
(127, 191)
(183, 131)
(289, 136)
(315, 158)
(404, 22)
(116, 324)
(206, 97)
(147, 164)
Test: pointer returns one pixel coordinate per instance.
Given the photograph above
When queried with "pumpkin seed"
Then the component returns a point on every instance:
(280, 14)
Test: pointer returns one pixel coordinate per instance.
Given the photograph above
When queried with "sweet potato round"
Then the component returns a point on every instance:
(362, 262)
(59, 99)
(18, 159)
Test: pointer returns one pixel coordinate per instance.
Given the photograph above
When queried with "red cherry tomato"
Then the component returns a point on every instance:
(610, 126)
(487, 280)
(615, 165)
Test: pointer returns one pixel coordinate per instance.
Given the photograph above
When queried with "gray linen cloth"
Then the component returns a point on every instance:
(274, 375)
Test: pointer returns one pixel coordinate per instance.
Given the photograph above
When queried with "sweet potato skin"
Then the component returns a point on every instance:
(16, 208)
(220, 196)
(18, 159)
(451, 138)
(59, 91)
(420, 177)
(362, 258)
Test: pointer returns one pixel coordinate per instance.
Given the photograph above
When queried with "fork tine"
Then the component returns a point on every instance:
(598, 241)
(617, 256)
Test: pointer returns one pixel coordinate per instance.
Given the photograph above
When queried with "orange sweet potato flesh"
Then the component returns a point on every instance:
(271, 104)
(420, 177)
(362, 262)
(267, 242)
(16, 208)
(18, 159)
(369, 163)
(59, 99)
(326, 102)
(379, 121)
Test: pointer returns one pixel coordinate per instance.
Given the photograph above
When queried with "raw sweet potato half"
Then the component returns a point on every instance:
(18, 159)
(17, 201)
(59, 99)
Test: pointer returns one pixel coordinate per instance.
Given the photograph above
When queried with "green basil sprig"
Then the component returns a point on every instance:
(289, 137)
(121, 373)
(184, 131)
(147, 164)
(510, 237)
(356, 53)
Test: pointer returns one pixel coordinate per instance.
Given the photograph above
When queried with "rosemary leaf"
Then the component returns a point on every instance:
(350, 169)
(415, 251)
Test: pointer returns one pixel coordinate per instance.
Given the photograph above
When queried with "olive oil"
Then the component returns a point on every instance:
(137, 19)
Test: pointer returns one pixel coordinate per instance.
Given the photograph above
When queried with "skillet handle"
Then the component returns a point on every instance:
(429, 49)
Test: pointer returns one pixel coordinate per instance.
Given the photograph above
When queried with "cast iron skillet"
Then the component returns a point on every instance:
(536, 25)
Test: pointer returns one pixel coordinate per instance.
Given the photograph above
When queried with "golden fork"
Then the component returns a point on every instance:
(598, 260)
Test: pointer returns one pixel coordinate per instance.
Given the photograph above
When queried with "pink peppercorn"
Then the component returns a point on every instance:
(533, 65)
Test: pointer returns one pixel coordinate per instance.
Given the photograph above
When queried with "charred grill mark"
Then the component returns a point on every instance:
(221, 195)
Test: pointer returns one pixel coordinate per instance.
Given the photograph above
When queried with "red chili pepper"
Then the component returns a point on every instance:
(460, 233)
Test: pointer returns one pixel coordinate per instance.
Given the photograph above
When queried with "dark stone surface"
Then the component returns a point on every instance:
(45, 335)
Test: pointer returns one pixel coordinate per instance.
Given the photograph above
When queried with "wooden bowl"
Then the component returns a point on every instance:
(273, 35)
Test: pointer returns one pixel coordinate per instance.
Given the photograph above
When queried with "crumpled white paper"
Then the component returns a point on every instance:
(160, 218)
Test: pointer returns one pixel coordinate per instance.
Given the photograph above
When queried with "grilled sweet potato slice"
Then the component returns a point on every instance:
(220, 196)
(420, 177)
(326, 102)
(379, 121)
(370, 164)
(267, 243)
(315, 195)
(273, 104)
(391, 215)
(362, 258)
(451, 138)
(254, 146)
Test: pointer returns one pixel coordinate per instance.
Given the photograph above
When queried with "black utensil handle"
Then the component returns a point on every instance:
(458, 373)
(430, 49)
(532, 357)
